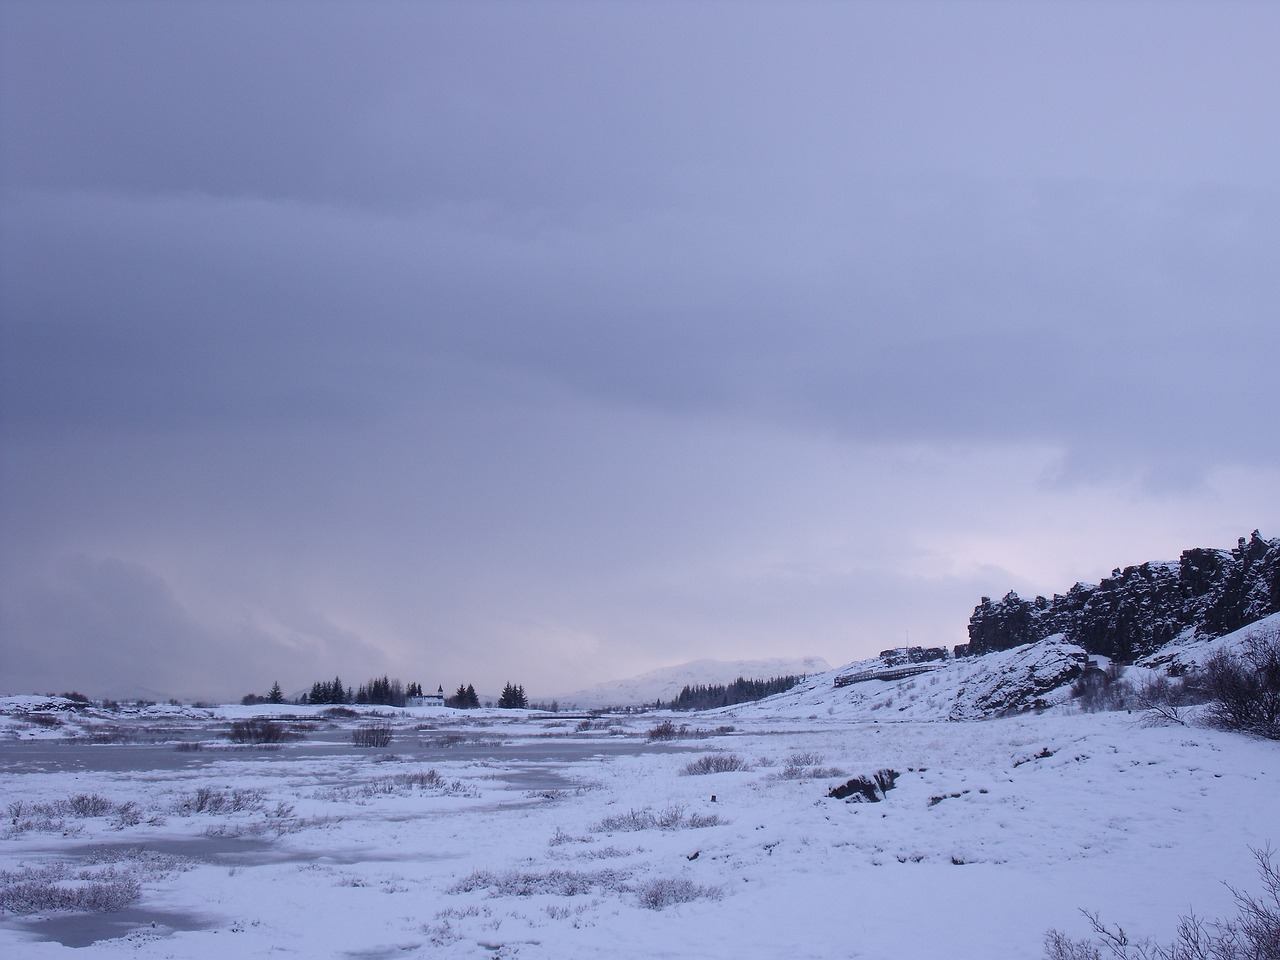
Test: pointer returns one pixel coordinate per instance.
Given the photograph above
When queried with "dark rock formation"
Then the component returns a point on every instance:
(866, 789)
(1139, 609)
(1015, 680)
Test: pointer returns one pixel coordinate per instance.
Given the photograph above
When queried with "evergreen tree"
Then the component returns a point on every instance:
(276, 695)
(513, 697)
(708, 697)
(464, 698)
(337, 692)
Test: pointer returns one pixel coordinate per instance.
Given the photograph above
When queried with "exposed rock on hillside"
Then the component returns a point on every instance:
(1016, 680)
(1138, 609)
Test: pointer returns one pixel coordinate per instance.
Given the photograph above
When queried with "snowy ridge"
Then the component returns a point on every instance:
(666, 682)
(1031, 676)
(1191, 649)
(1037, 674)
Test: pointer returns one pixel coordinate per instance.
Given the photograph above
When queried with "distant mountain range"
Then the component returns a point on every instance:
(666, 682)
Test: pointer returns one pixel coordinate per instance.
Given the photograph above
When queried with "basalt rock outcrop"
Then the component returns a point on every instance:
(1139, 609)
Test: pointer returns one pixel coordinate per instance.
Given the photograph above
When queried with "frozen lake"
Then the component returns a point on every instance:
(17, 757)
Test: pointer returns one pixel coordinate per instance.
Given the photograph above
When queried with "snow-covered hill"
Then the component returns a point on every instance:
(1009, 681)
(666, 682)
(1192, 649)
(1034, 675)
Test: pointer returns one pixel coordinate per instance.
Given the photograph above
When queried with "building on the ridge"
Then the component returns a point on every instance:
(428, 700)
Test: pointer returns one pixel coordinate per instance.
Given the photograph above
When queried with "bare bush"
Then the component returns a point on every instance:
(258, 731)
(208, 800)
(1164, 700)
(403, 783)
(664, 891)
(560, 837)
(1253, 934)
(672, 818)
(558, 883)
(88, 805)
(372, 735)
(806, 766)
(1098, 690)
(46, 889)
(666, 730)
(423, 779)
(52, 817)
(715, 763)
(127, 814)
(399, 785)
(1244, 686)
(805, 758)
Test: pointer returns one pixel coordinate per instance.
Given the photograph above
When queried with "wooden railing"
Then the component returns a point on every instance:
(885, 673)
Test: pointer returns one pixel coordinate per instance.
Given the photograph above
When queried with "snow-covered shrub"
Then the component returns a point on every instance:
(664, 891)
(558, 883)
(259, 732)
(804, 766)
(805, 759)
(672, 818)
(1253, 934)
(127, 814)
(88, 805)
(715, 763)
(1244, 686)
(1099, 690)
(52, 817)
(55, 888)
(213, 801)
(560, 837)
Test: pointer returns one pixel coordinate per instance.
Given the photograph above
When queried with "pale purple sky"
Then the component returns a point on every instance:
(555, 342)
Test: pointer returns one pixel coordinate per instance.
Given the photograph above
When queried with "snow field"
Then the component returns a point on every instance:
(994, 832)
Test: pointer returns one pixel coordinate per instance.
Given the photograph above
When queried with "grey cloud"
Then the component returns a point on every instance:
(448, 325)
(550, 104)
(114, 627)
(921, 311)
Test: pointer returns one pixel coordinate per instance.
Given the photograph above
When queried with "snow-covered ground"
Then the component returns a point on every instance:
(508, 834)
(518, 834)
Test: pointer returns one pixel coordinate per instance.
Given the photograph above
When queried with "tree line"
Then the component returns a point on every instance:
(709, 696)
(382, 691)
(385, 691)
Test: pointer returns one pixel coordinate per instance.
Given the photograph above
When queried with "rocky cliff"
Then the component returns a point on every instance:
(1138, 609)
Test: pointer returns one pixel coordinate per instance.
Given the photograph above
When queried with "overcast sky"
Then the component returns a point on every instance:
(555, 342)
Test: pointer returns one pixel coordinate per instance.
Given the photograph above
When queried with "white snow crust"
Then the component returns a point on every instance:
(997, 829)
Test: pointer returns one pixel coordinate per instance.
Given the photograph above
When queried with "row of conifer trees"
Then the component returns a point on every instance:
(384, 691)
